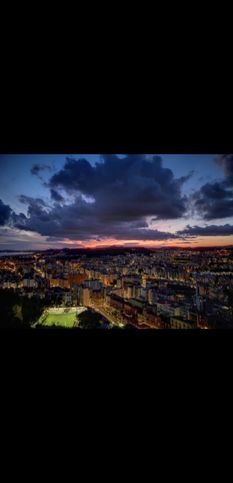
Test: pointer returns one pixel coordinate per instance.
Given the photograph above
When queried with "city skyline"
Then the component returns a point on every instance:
(75, 201)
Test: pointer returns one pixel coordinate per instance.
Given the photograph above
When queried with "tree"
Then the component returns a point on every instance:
(89, 320)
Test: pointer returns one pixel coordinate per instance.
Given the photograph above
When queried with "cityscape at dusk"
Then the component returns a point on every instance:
(140, 241)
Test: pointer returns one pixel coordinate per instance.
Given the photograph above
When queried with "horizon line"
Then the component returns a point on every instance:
(118, 247)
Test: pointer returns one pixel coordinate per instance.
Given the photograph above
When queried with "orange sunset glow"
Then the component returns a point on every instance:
(198, 242)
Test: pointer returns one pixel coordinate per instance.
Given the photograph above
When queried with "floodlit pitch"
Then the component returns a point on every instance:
(61, 317)
(62, 320)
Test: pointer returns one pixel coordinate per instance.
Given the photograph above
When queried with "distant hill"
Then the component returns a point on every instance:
(109, 250)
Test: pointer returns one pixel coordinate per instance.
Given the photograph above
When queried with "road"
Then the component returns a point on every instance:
(105, 314)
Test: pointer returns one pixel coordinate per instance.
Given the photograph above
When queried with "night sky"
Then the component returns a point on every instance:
(54, 201)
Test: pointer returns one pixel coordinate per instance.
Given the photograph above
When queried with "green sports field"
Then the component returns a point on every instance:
(63, 320)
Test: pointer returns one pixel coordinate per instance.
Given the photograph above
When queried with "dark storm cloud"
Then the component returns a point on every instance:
(114, 198)
(109, 200)
(125, 188)
(75, 176)
(36, 206)
(211, 230)
(29, 200)
(17, 219)
(37, 168)
(215, 191)
(78, 221)
(56, 196)
(215, 200)
(226, 162)
(5, 212)
(142, 234)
